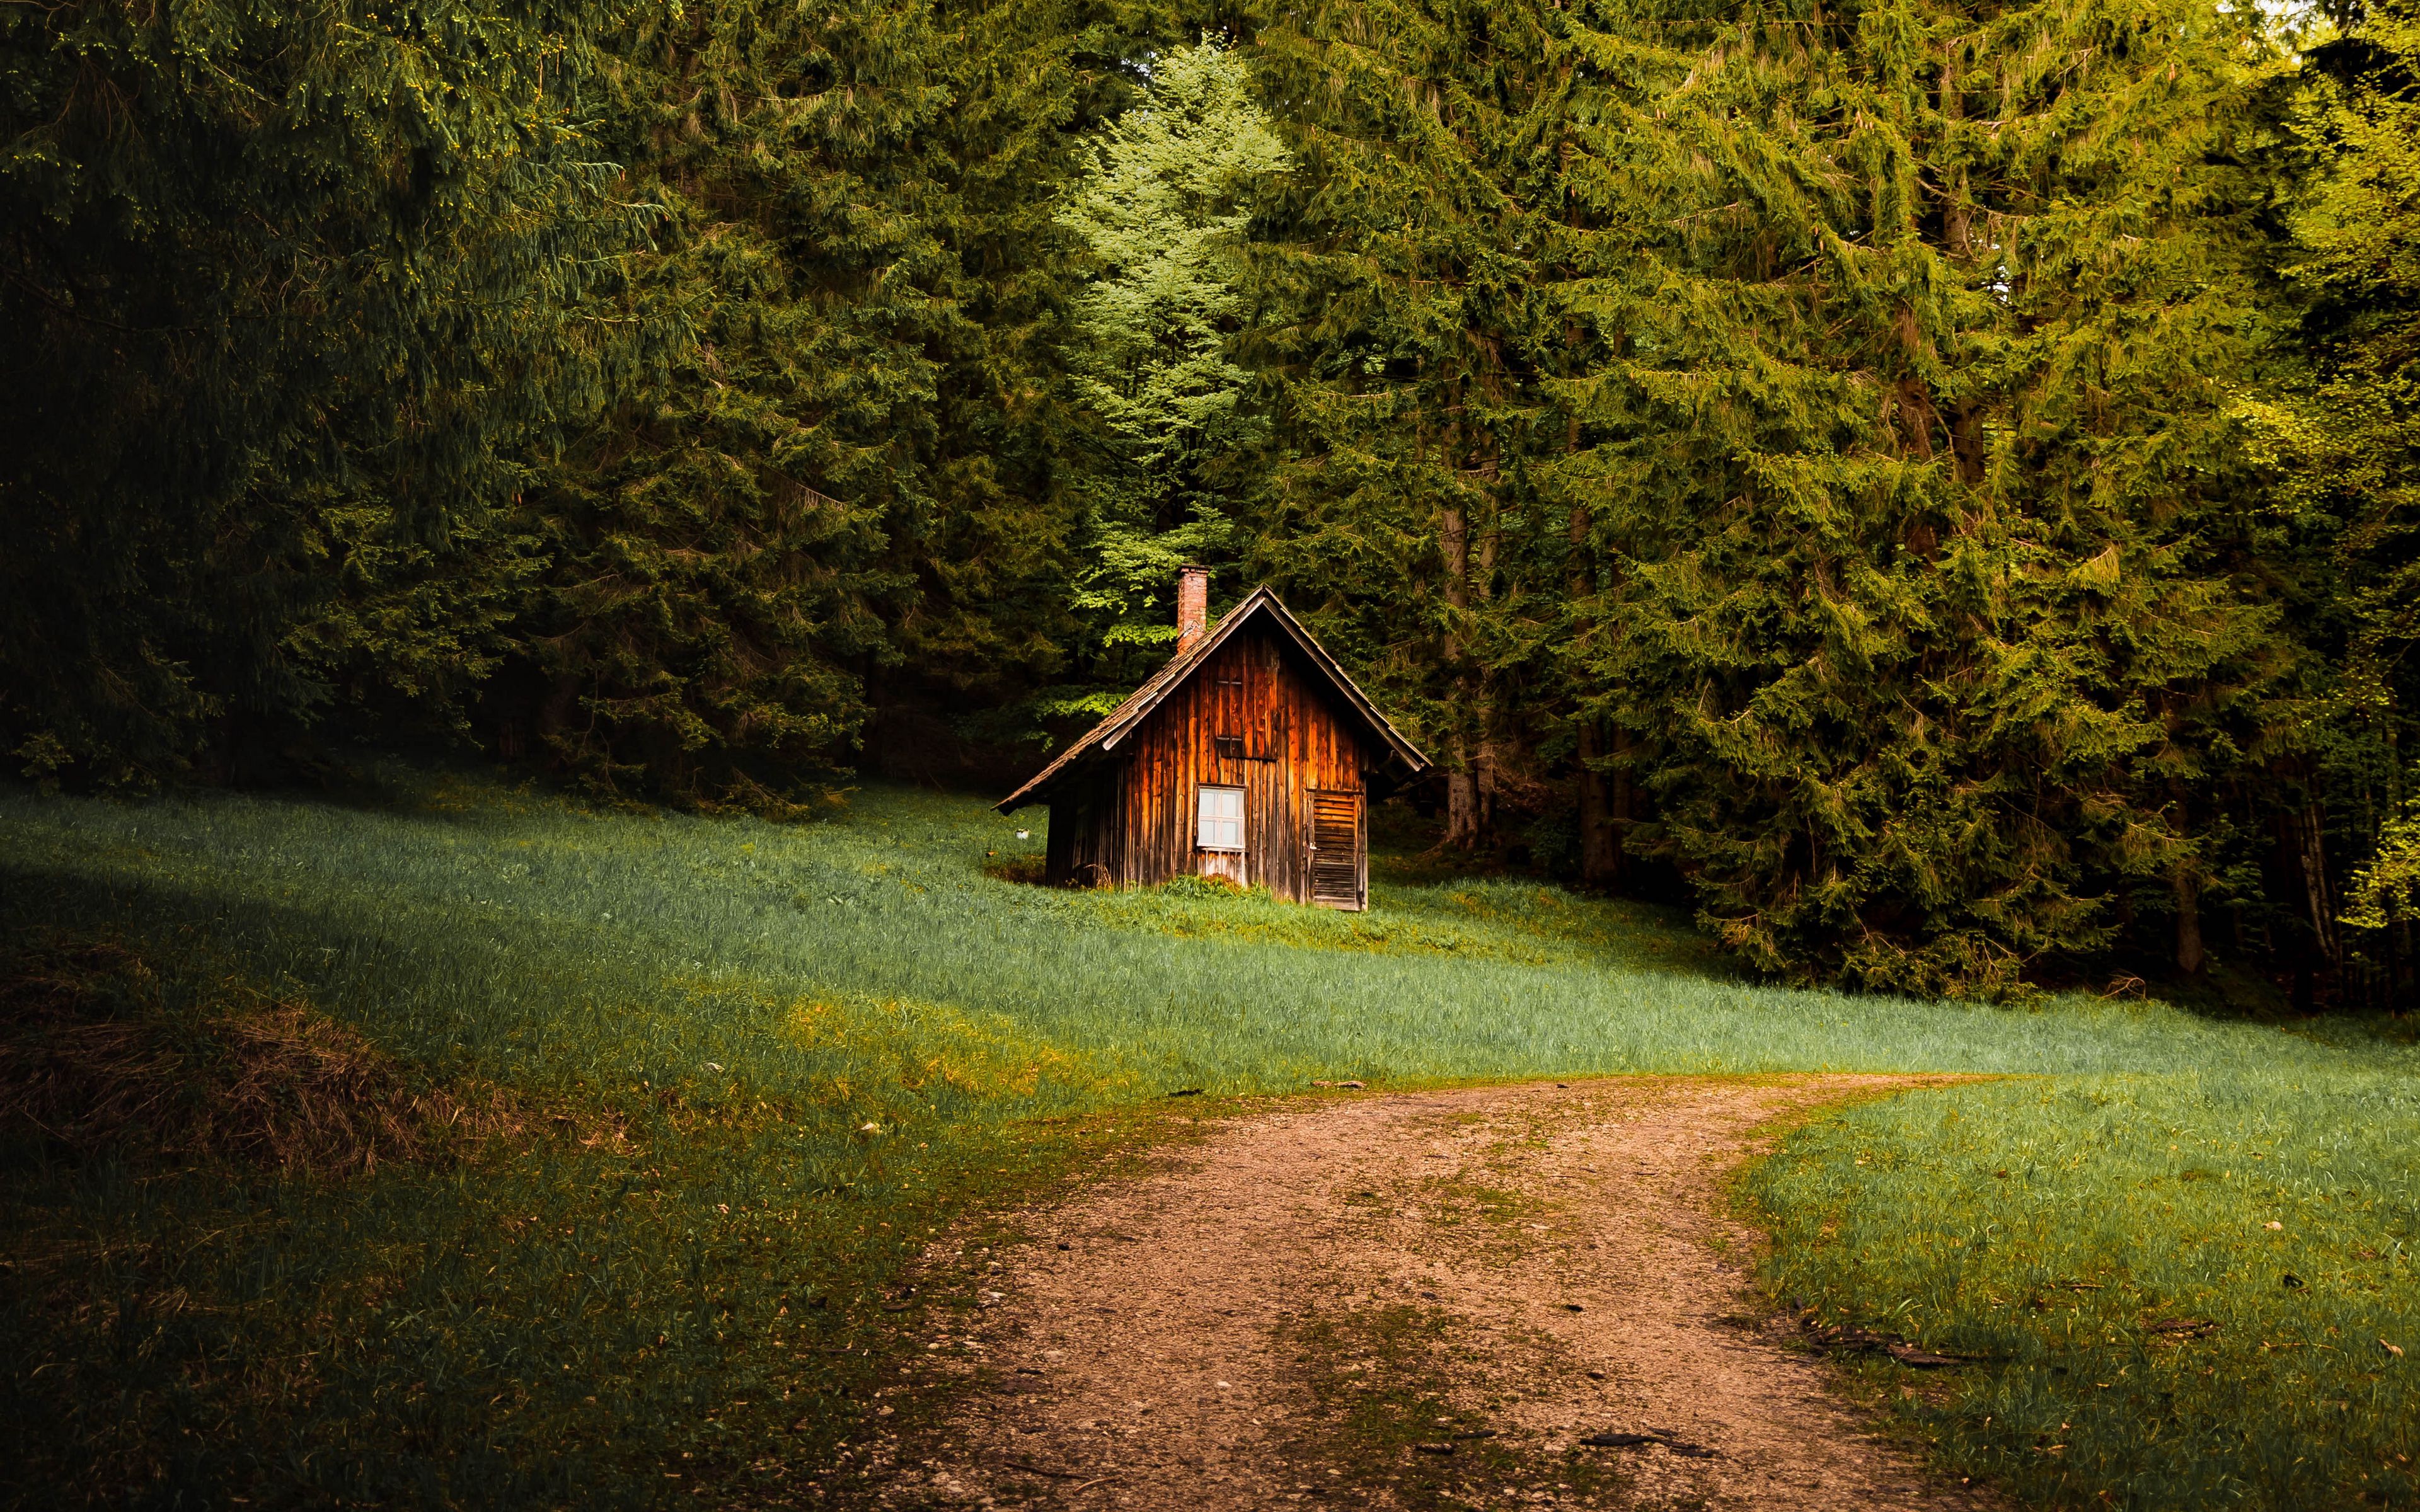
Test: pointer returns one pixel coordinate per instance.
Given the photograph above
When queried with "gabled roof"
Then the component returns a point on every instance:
(1102, 738)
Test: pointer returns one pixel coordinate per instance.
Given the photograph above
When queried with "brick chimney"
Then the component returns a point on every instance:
(1192, 606)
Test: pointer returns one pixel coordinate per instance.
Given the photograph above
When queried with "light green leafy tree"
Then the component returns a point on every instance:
(1162, 215)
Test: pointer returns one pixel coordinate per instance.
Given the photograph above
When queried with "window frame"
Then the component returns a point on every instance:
(1202, 818)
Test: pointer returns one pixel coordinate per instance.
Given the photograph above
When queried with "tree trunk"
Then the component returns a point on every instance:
(2189, 956)
(1463, 809)
(1624, 802)
(2310, 834)
(1599, 848)
(561, 703)
(1599, 841)
(1462, 820)
(1483, 776)
(1461, 802)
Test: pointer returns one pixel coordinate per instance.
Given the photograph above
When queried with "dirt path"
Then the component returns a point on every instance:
(1414, 1301)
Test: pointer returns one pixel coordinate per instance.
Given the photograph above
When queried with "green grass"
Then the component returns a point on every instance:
(2185, 1284)
(558, 1320)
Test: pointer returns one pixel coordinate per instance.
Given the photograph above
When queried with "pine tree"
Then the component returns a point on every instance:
(1162, 405)
(1031, 81)
(1937, 593)
(290, 297)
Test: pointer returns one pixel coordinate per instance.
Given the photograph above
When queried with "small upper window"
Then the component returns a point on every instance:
(1222, 818)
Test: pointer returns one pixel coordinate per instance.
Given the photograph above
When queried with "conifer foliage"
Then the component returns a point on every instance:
(287, 296)
(1960, 619)
(846, 477)
(1837, 402)
(1163, 408)
(717, 546)
(1931, 479)
(1410, 261)
(2353, 451)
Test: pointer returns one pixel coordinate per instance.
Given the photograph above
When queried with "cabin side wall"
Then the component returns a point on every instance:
(1285, 738)
(1085, 826)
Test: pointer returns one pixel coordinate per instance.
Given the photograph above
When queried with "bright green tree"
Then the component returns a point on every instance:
(1163, 405)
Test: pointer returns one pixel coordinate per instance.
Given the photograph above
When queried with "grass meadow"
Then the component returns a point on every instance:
(665, 1105)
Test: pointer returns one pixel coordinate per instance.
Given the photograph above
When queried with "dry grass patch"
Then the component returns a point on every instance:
(94, 1057)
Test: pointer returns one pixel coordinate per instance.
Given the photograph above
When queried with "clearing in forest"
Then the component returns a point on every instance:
(723, 1086)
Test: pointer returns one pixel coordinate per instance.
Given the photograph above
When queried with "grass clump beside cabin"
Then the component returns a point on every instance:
(569, 1157)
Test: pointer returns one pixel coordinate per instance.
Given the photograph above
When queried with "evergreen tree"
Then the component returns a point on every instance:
(2350, 453)
(848, 487)
(1033, 80)
(711, 604)
(290, 295)
(1938, 593)
(1405, 266)
(1162, 405)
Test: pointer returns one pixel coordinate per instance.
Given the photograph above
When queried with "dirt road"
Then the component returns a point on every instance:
(1416, 1301)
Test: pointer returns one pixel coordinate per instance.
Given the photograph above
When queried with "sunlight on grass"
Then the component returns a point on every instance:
(765, 1064)
(2191, 1289)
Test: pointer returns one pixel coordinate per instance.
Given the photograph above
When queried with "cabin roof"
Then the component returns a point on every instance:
(1102, 738)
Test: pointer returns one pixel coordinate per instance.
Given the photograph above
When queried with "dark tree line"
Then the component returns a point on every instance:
(1930, 480)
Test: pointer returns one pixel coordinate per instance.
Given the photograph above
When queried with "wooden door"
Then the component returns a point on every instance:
(1338, 862)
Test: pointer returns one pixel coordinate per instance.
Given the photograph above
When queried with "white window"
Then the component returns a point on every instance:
(1222, 818)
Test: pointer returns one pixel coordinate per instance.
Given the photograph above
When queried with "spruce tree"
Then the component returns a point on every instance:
(1938, 596)
(291, 298)
(717, 585)
(845, 496)
(2348, 455)
(1410, 325)
(1162, 407)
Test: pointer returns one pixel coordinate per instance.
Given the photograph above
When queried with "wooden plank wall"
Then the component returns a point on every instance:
(1137, 819)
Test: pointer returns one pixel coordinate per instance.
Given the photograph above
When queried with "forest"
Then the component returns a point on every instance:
(1928, 484)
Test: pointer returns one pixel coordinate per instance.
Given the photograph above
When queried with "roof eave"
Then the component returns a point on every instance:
(1102, 738)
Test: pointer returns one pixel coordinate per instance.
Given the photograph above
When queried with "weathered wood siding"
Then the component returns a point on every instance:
(1251, 716)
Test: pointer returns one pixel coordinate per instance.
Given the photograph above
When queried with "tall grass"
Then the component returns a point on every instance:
(821, 1042)
(541, 942)
(2189, 1289)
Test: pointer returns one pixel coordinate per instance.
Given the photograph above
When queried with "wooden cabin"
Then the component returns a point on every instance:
(1250, 756)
